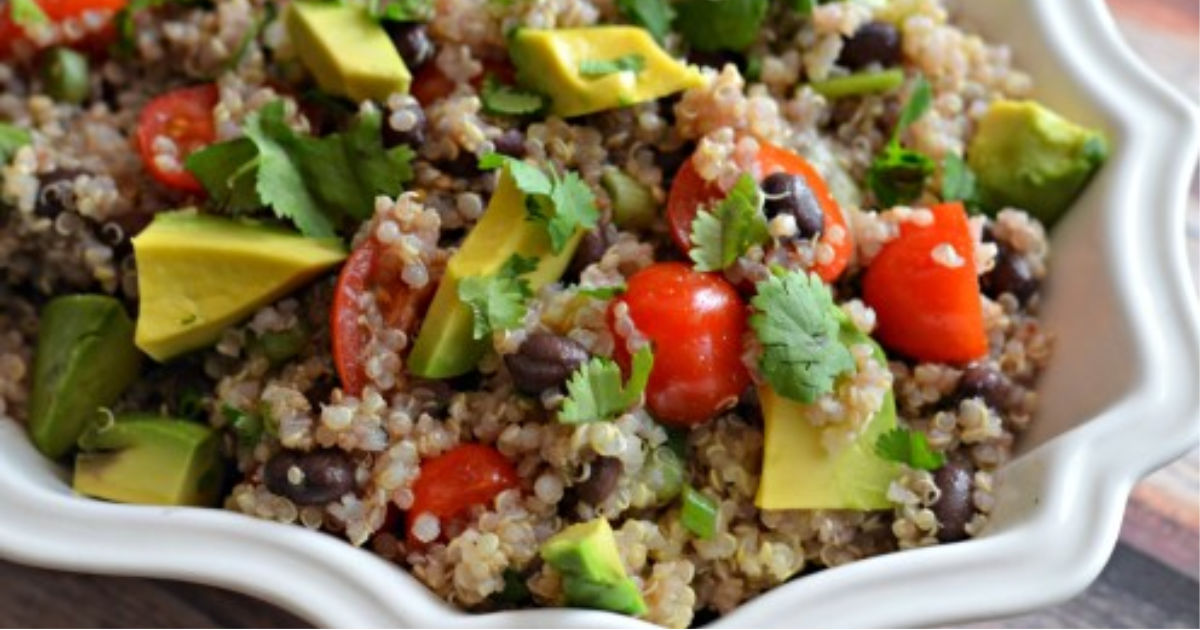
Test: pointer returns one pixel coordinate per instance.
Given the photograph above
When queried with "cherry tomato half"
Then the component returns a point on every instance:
(452, 483)
(695, 322)
(926, 309)
(57, 11)
(186, 117)
(400, 304)
(690, 192)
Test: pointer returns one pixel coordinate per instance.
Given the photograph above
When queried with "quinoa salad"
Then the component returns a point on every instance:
(646, 306)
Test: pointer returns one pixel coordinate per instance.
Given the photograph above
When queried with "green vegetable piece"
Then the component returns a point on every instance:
(723, 234)
(149, 460)
(699, 513)
(228, 171)
(959, 183)
(562, 202)
(446, 345)
(664, 474)
(586, 555)
(247, 427)
(12, 138)
(711, 25)
(910, 448)
(654, 15)
(347, 50)
(1027, 156)
(516, 591)
(85, 359)
(594, 391)
(506, 100)
(280, 345)
(633, 204)
(498, 302)
(65, 73)
(28, 13)
(898, 175)
(859, 84)
(401, 10)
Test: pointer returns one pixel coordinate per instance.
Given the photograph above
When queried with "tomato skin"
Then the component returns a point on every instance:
(186, 116)
(925, 310)
(689, 192)
(695, 322)
(56, 11)
(430, 85)
(455, 481)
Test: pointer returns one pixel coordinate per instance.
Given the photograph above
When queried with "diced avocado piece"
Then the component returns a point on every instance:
(593, 576)
(799, 473)
(85, 359)
(347, 51)
(199, 274)
(1027, 156)
(548, 61)
(149, 460)
(445, 345)
(633, 204)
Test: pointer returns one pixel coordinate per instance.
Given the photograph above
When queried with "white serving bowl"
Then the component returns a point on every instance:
(1121, 397)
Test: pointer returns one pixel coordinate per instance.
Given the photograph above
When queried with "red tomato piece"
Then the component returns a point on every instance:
(401, 307)
(689, 192)
(452, 483)
(186, 117)
(695, 322)
(430, 85)
(927, 310)
(57, 11)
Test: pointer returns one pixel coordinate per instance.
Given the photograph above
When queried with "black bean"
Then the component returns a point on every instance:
(954, 507)
(1011, 274)
(414, 136)
(310, 478)
(605, 473)
(411, 40)
(56, 192)
(465, 164)
(670, 161)
(873, 42)
(789, 194)
(511, 143)
(544, 361)
(981, 380)
(591, 249)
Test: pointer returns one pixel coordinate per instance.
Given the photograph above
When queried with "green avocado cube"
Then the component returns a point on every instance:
(347, 50)
(621, 596)
(149, 460)
(85, 358)
(586, 555)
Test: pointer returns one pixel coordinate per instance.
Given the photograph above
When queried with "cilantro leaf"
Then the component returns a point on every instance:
(594, 68)
(226, 170)
(654, 15)
(506, 100)
(12, 138)
(958, 182)
(897, 175)
(710, 25)
(562, 202)
(909, 448)
(737, 222)
(594, 391)
(400, 10)
(27, 13)
(797, 324)
(498, 302)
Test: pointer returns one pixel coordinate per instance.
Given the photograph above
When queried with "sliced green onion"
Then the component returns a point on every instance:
(860, 83)
(279, 346)
(66, 75)
(699, 513)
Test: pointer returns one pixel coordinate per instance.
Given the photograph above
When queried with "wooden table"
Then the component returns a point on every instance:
(1151, 580)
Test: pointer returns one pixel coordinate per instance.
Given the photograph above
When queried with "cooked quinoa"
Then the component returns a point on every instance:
(74, 196)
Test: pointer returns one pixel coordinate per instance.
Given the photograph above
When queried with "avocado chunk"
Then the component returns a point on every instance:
(1027, 156)
(633, 204)
(554, 62)
(85, 358)
(445, 345)
(799, 473)
(149, 460)
(199, 274)
(593, 576)
(347, 51)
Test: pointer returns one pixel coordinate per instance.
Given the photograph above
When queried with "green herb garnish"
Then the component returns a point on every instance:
(710, 25)
(595, 68)
(506, 100)
(12, 138)
(654, 15)
(498, 301)
(898, 175)
(401, 10)
(595, 392)
(720, 236)
(248, 427)
(958, 183)
(560, 201)
(601, 293)
(699, 513)
(797, 324)
(909, 448)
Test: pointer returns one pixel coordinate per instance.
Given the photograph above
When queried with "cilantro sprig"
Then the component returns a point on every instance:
(797, 324)
(506, 100)
(595, 68)
(710, 25)
(897, 175)
(595, 392)
(498, 301)
(561, 201)
(653, 15)
(316, 183)
(401, 10)
(958, 183)
(27, 13)
(910, 448)
(737, 222)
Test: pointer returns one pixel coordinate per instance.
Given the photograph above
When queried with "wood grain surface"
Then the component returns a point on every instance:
(1151, 580)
